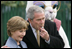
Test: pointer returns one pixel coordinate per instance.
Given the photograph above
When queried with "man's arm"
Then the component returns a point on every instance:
(55, 39)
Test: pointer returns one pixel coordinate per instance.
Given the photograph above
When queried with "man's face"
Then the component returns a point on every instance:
(38, 21)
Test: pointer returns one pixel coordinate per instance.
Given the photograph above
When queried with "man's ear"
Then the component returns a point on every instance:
(29, 20)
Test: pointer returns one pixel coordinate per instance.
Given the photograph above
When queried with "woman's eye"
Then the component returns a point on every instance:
(20, 31)
(55, 6)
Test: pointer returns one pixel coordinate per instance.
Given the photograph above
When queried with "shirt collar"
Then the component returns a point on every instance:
(33, 29)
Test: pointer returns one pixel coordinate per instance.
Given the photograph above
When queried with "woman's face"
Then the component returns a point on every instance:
(18, 34)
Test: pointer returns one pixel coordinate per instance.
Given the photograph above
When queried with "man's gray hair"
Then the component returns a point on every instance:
(32, 9)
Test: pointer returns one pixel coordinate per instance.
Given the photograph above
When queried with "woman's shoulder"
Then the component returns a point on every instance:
(11, 43)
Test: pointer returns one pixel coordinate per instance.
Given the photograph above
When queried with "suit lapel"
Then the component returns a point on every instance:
(31, 37)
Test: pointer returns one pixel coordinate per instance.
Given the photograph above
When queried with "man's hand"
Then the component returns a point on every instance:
(5, 47)
(44, 34)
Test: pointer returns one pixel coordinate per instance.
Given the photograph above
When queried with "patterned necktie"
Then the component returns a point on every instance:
(38, 37)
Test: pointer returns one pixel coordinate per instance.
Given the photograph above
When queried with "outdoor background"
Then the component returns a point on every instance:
(17, 8)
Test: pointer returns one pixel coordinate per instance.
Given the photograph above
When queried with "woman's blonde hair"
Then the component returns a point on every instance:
(16, 23)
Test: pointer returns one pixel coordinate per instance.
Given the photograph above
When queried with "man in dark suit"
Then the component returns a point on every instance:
(49, 36)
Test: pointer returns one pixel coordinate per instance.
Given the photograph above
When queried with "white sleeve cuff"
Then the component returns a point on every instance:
(48, 41)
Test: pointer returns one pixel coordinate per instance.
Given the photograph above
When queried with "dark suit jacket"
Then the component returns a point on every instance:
(55, 39)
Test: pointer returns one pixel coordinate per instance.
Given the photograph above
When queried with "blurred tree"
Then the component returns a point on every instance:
(14, 3)
(69, 6)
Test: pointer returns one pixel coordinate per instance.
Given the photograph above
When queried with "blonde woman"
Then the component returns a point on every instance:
(16, 29)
